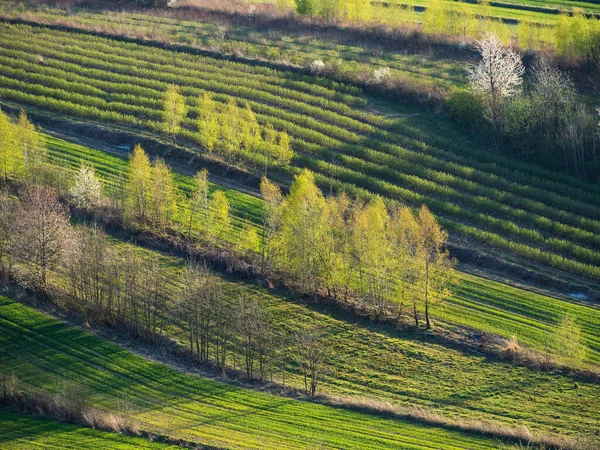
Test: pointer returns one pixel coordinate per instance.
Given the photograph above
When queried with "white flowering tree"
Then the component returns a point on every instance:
(317, 66)
(498, 76)
(87, 189)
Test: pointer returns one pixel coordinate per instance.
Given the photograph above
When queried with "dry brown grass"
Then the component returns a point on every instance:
(520, 434)
(68, 405)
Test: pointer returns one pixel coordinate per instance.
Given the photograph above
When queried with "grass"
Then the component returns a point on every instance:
(409, 369)
(44, 352)
(20, 432)
(478, 303)
(477, 196)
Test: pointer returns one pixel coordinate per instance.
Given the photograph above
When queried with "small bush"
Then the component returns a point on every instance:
(465, 108)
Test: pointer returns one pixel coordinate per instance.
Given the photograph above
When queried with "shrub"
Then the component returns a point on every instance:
(465, 108)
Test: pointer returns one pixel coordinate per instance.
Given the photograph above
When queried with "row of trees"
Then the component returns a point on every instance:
(107, 285)
(574, 35)
(386, 259)
(547, 121)
(230, 131)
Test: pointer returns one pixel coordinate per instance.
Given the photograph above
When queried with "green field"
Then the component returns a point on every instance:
(45, 353)
(19, 432)
(479, 197)
(478, 303)
(380, 362)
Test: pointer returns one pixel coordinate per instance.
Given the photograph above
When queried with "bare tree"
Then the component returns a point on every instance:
(7, 219)
(41, 231)
(498, 76)
(255, 335)
(312, 352)
(194, 308)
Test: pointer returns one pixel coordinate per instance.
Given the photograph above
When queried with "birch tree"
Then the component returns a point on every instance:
(137, 189)
(174, 110)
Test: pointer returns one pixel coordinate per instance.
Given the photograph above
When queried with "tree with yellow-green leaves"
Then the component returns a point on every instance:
(251, 138)
(269, 144)
(220, 221)
(436, 273)
(198, 205)
(163, 199)
(174, 110)
(10, 155)
(283, 151)
(339, 265)
(208, 126)
(32, 147)
(373, 255)
(138, 188)
(231, 130)
(304, 233)
(272, 222)
(405, 237)
(434, 18)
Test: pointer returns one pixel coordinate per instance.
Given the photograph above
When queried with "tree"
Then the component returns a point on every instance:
(312, 353)
(254, 333)
(269, 144)
(220, 221)
(251, 137)
(304, 232)
(567, 342)
(86, 191)
(207, 122)
(283, 151)
(41, 231)
(32, 147)
(230, 129)
(198, 204)
(9, 152)
(174, 110)
(436, 265)
(305, 7)
(7, 220)
(195, 307)
(405, 245)
(272, 221)
(138, 187)
(497, 77)
(372, 252)
(163, 203)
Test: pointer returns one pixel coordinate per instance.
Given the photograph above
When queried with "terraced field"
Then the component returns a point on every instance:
(519, 209)
(20, 432)
(45, 352)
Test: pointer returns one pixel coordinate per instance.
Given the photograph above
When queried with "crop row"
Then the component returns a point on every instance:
(449, 208)
(43, 350)
(490, 238)
(397, 170)
(153, 81)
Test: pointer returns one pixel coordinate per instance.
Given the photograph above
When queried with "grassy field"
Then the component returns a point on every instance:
(410, 369)
(19, 432)
(483, 198)
(478, 303)
(45, 353)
